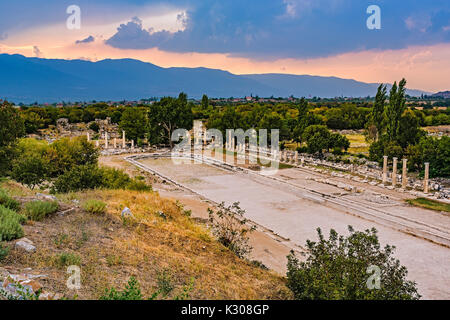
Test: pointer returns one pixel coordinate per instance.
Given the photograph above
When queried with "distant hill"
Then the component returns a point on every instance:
(52, 80)
(442, 94)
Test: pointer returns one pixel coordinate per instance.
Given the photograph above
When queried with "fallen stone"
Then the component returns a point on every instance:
(46, 197)
(26, 244)
(126, 213)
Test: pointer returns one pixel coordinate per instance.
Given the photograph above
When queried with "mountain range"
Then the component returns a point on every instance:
(27, 80)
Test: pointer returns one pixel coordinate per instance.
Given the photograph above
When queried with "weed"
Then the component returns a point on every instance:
(38, 210)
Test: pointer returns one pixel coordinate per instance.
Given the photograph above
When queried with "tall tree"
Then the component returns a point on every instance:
(134, 122)
(205, 102)
(377, 116)
(168, 115)
(11, 127)
(395, 109)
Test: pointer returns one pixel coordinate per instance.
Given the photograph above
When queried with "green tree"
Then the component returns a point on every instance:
(205, 102)
(134, 122)
(11, 128)
(168, 115)
(30, 170)
(343, 268)
(395, 109)
(317, 138)
(377, 115)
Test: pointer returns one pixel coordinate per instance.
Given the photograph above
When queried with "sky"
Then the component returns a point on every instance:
(317, 37)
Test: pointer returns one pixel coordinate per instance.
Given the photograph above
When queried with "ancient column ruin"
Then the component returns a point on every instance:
(404, 174)
(124, 142)
(427, 176)
(385, 161)
(394, 172)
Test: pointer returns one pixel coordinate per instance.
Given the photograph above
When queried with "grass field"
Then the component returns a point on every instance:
(358, 144)
(430, 204)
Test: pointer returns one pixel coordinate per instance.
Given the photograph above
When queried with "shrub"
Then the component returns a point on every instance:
(30, 170)
(8, 202)
(79, 178)
(10, 224)
(4, 250)
(94, 206)
(38, 210)
(132, 291)
(66, 259)
(138, 185)
(229, 226)
(343, 268)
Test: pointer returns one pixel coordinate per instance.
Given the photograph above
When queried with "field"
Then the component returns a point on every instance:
(430, 204)
(358, 144)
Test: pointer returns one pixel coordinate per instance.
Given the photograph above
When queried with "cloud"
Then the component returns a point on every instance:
(87, 40)
(3, 36)
(290, 28)
(37, 52)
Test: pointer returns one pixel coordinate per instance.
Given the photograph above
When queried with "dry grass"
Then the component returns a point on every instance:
(358, 143)
(112, 249)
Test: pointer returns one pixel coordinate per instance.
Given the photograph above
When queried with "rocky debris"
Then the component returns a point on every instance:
(25, 244)
(24, 286)
(47, 197)
(126, 213)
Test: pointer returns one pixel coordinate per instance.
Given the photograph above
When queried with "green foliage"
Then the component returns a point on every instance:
(10, 224)
(8, 202)
(4, 251)
(79, 178)
(137, 185)
(132, 291)
(339, 268)
(94, 206)
(168, 115)
(66, 259)
(11, 128)
(30, 170)
(94, 127)
(37, 210)
(377, 115)
(134, 122)
(395, 109)
(436, 151)
(230, 227)
(319, 138)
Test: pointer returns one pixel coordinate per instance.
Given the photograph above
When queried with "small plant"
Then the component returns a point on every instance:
(10, 224)
(37, 210)
(8, 202)
(138, 185)
(94, 206)
(22, 293)
(113, 260)
(4, 251)
(165, 283)
(230, 228)
(66, 259)
(132, 291)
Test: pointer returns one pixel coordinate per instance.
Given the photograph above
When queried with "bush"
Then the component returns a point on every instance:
(8, 202)
(138, 185)
(4, 251)
(66, 259)
(132, 291)
(229, 226)
(94, 206)
(10, 224)
(343, 268)
(38, 210)
(79, 178)
(30, 170)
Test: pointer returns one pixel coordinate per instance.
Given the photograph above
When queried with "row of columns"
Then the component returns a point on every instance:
(404, 173)
(124, 142)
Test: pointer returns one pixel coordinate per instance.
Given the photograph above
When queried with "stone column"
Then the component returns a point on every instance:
(404, 174)
(427, 176)
(385, 160)
(132, 144)
(97, 143)
(124, 142)
(296, 157)
(394, 172)
(88, 137)
(115, 143)
(106, 140)
(302, 161)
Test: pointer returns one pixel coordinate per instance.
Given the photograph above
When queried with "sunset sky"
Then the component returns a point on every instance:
(317, 37)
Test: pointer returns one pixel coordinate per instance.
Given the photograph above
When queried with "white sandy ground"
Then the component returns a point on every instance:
(291, 214)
